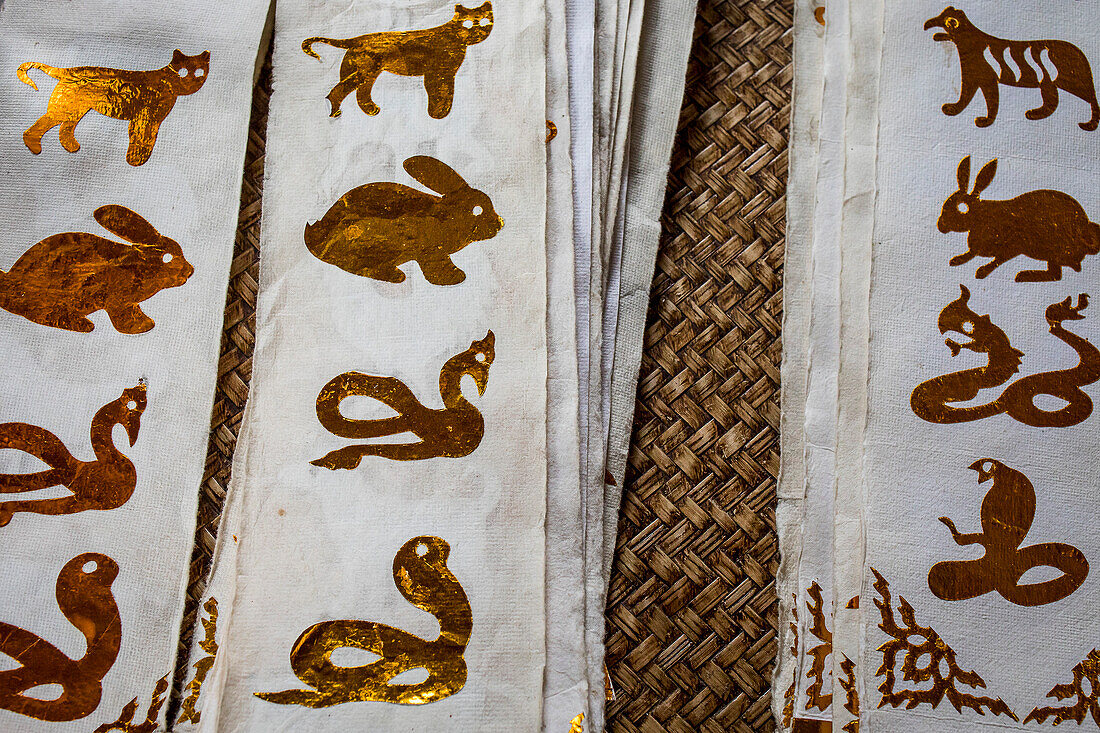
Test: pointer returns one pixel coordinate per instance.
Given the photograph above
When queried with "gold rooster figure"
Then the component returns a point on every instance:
(106, 483)
(453, 432)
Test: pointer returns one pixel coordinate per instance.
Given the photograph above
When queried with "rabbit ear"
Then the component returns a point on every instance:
(434, 174)
(126, 224)
(964, 174)
(985, 176)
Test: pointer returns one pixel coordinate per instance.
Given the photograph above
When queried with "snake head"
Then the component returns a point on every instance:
(482, 354)
(132, 404)
(957, 317)
(1066, 311)
(986, 468)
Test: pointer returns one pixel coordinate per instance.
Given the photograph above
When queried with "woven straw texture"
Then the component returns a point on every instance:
(692, 610)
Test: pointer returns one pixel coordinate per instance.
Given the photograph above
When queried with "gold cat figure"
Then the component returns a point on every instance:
(1008, 510)
(453, 432)
(84, 597)
(421, 575)
(144, 98)
(934, 399)
(104, 483)
(433, 53)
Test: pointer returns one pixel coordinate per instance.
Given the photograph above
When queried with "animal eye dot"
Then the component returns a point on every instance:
(963, 207)
(131, 405)
(968, 327)
(167, 257)
(480, 357)
(421, 550)
(200, 72)
(90, 567)
(183, 72)
(478, 210)
(467, 24)
(485, 21)
(952, 23)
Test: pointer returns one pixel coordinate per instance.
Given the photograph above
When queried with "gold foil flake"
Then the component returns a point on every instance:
(209, 644)
(811, 725)
(791, 692)
(576, 725)
(126, 722)
(453, 432)
(421, 575)
(851, 694)
(939, 666)
(608, 688)
(377, 227)
(1007, 513)
(819, 14)
(1048, 226)
(65, 277)
(144, 98)
(84, 597)
(933, 399)
(819, 653)
(103, 484)
(551, 131)
(1087, 698)
(1019, 64)
(434, 53)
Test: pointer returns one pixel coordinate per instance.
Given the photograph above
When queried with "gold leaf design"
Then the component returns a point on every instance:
(102, 484)
(819, 653)
(84, 596)
(126, 722)
(421, 575)
(1087, 699)
(941, 668)
(453, 432)
(576, 725)
(143, 97)
(433, 53)
(851, 694)
(1069, 69)
(789, 695)
(209, 644)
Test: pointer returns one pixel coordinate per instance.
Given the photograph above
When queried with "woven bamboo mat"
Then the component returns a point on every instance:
(692, 610)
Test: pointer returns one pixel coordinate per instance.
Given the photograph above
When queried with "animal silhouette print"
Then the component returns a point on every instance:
(103, 484)
(1065, 68)
(932, 400)
(1048, 226)
(433, 53)
(375, 228)
(144, 98)
(453, 432)
(65, 277)
(84, 597)
(421, 575)
(1008, 510)
(126, 722)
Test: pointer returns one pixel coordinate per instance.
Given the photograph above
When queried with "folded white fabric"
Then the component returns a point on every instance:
(961, 566)
(122, 151)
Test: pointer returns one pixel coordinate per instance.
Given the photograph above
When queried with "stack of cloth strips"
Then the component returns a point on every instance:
(460, 222)
(938, 489)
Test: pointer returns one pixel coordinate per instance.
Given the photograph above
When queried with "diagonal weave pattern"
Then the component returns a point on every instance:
(692, 610)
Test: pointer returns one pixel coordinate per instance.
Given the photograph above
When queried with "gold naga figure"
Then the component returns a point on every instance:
(421, 575)
(932, 399)
(1008, 510)
(84, 597)
(452, 432)
(144, 98)
(103, 484)
(433, 53)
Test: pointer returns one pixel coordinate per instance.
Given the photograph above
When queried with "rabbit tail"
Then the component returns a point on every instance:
(1094, 246)
(307, 45)
(21, 72)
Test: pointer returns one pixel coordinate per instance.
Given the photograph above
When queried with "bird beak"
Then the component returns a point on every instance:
(132, 423)
(933, 23)
(481, 379)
